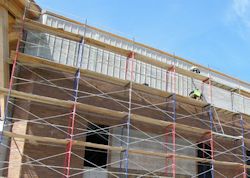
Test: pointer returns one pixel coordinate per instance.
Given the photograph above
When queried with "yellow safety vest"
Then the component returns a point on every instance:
(197, 92)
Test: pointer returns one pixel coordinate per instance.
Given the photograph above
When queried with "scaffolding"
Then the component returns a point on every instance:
(54, 111)
(110, 60)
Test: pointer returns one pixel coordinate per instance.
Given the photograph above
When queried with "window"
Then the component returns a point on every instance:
(94, 156)
(204, 151)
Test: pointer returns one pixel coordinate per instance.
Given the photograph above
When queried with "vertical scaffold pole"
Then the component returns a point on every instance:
(166, 160)
(71, 123)
(130, 56)
(211, 140)
(243, 146)
(203, 156)
(174, 137)
(122, 152)
(166, 132)
(171, 71)
(71, 126)
(172, 126)
(128, 131)
(174, 120)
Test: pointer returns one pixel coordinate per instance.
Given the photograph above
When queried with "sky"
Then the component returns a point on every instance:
(213, 33)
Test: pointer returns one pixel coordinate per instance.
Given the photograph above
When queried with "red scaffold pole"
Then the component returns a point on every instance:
(174, 152)
(166, 160)
(71, 126)
(171, 70)
(14, 67)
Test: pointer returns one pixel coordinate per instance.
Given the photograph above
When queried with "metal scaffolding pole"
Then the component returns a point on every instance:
(174, 137)
(172, 74)
(243, 146)
(71, 123)
(127, 125)
(5, 122)
(122, 152)
(210, 112)
(128, 131)
(71, 126)
(132, 55)
(166, 160)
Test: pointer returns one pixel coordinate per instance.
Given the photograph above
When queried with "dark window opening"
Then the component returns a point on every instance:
(204, 151)
(10, 70)
(94, 156)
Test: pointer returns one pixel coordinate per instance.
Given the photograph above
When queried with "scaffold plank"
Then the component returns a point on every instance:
(35, 139)
(4, 54)
(35, 25)
(103, 111)
(16, 8)
(41, 62)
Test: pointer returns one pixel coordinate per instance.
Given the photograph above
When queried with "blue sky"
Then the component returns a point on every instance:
(214, 33)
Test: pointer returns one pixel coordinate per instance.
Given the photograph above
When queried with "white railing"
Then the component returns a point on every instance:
(66, 52)
(118, 42)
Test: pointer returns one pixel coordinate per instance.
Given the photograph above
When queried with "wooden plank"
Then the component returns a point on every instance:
(102, 111)
(38, 139)
(51, 140)
(4, 72)
(63, 103)
(12, 7)
(4, 55)
(164, 124)
(107, 47)
(28, 59)
(94, 109)
(34, 9)
(244, 93)
(16, 8)
(35, 25)
(41, 62)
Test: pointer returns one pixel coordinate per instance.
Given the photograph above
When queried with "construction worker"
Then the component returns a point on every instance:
(196, 94)
(195, 69)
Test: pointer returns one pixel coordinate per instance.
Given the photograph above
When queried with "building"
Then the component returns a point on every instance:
(77, 101)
